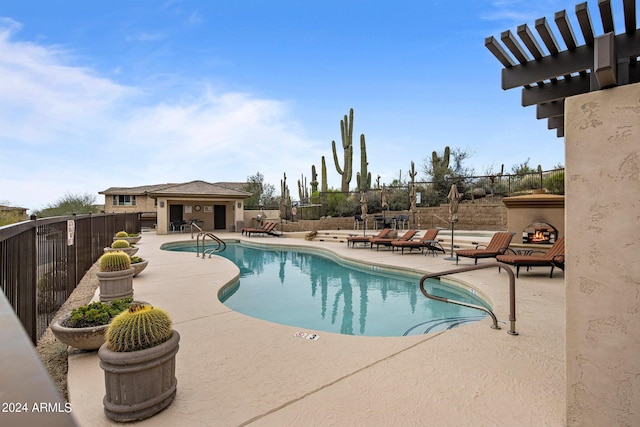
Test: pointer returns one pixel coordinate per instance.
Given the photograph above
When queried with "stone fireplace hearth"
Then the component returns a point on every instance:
(535, 218)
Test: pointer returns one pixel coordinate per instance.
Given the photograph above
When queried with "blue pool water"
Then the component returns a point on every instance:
(320, 293)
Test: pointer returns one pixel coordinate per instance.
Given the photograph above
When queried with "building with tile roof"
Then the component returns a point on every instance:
(174, 206)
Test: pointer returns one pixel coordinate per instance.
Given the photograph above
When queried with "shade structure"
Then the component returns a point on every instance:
(364, 207)
(413, 198)
(384, 197)
(454, 201)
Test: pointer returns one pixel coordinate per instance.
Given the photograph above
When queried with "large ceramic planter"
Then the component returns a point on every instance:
(90, 338)
(139, 384)
(115, 284)
(128, 251)
(139, 266)
(131, 239)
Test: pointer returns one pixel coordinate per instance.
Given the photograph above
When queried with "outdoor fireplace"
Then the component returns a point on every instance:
(538, 218)
(539, 233)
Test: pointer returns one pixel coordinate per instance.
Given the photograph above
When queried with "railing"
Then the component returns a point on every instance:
(512, 292)
(209, 251)
(43, 260)
(441, 219)
(193, 224)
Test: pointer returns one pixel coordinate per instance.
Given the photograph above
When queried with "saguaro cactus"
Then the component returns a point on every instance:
(346, 129)
(303, 192)
(324, 187)
(363, 177)
(314, 180)
(440, 163)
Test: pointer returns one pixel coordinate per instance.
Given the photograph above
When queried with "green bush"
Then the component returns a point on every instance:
(97, 313)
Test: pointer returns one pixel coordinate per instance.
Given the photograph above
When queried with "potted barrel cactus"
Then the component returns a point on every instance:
(129, 237)
(122, 245)
(138, 360)
(115, 276)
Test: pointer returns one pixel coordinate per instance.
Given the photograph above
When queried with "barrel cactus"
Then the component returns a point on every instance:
(119, 244)
(115, 261)
(122, 234)
(142, 326)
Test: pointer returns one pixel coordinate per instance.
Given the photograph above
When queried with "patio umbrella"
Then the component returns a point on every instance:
(454, 200)
(384, 197)
(363, 209)
(413, 198)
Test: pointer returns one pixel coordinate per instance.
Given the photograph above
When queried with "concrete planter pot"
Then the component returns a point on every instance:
(139, 384)
(139, 266)
(115, 284)
(128, 251)
(90, 338)
(131, 240)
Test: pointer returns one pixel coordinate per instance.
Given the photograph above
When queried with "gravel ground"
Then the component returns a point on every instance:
(53, 353)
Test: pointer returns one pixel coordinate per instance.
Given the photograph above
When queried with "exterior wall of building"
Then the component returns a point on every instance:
(143, 204)
(603, 273)
(203, 211)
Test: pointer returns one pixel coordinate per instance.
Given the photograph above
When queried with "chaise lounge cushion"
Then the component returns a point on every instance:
(497, 246)
(554, 257)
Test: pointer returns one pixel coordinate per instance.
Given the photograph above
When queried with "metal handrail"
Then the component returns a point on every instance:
(512, 292)
(441, 219)
(193, 224)
(221, 244)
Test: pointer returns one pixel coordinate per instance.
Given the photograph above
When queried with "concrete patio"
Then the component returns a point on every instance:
(234, 370)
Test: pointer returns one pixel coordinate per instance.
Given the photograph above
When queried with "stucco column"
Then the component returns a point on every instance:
(602, 140)
(162, 216)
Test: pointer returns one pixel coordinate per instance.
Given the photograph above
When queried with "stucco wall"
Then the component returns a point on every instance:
(603, 273)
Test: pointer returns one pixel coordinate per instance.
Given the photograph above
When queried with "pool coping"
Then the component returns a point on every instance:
(236, 370)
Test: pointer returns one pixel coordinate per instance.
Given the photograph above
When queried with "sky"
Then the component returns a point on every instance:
(96, 95)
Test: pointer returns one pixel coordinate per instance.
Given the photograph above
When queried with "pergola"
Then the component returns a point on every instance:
(547, 79)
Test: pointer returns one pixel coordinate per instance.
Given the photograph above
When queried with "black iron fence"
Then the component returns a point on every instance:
(43, 260)
(486, 189)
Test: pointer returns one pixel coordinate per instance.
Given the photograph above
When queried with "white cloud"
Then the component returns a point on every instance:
(63, 128)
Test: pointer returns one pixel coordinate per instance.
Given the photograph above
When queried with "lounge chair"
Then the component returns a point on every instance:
(497, 246)
(267, 228)
(554, 257)
(427, 242)
(352, 240)
(387, 241)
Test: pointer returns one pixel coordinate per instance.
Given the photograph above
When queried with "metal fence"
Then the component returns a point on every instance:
(43, 260)
(486, 189)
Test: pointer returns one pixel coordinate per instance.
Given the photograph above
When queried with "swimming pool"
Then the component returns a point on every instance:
(318, 292)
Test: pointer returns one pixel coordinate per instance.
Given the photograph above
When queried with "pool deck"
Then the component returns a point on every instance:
(234, 370)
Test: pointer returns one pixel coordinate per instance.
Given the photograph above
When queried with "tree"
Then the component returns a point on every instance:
(522, 169)
(70, 204)
(262, 194)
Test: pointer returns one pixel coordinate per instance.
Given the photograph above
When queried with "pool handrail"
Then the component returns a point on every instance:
(222, 245)
(512, 292)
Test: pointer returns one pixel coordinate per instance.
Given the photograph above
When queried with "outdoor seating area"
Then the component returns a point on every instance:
(497, 246)
(428, 242)
(366, 240)
(387, 241)
(554, 257)
(267, 228)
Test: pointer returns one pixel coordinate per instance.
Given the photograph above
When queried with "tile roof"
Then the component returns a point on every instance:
(197, 187)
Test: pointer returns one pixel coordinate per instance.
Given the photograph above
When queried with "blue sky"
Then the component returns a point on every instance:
(125, 93)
